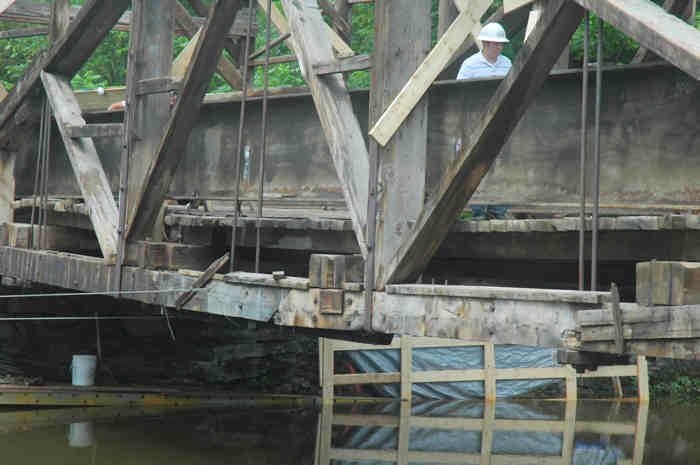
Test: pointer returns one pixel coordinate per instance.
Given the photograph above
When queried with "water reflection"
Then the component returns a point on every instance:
(483, 433)
(147, 436)
(537, 432)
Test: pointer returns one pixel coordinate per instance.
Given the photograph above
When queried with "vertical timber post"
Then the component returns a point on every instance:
(402, 41)
(149, 58)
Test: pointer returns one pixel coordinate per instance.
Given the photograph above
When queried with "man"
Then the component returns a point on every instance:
(487, 63)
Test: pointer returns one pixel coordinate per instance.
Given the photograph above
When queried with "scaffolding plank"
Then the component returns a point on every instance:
(427, 72)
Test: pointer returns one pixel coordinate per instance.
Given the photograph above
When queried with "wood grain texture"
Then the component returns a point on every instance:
(332, 102)
(402, 44)
(86, 164)
(150, 195)
(427, 72)
(150, 57)
(665, 34)
(227, 70)
(486, 140)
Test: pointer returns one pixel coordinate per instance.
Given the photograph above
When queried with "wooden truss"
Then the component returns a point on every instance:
(398, 225)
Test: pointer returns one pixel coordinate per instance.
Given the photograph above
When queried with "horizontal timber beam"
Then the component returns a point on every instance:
(344, 65)
(485, 141)
(95, 130)
(24, 32)
(456, 312)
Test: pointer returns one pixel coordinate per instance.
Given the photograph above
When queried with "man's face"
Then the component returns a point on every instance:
(491, 50)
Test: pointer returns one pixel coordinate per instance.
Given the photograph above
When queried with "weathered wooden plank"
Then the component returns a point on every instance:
(235, 48)
(427, 72)
(402, 41)
(183, 59)
(68, 54)
(86, 164)
(685, 9)
(169, 256)
(54, 237)
(227, 70)
(32, 12)
(665, 34)
(260, 279)
(668, 283)
(95, 130)
(24, 32)
(332, 101)
(157, 85)
(342, 49)
(344, 65)
(509, 293)
(485, 142)
(150, 57)
(633, 313)
(201, 281)
(60, 19)
(148, 197)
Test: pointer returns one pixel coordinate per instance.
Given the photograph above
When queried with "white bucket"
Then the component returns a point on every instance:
(83, 370)
(80, 434)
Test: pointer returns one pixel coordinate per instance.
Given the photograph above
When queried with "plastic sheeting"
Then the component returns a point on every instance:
(537, 444)
(456, 358)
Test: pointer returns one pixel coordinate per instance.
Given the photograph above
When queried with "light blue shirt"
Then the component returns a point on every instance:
(477, 66)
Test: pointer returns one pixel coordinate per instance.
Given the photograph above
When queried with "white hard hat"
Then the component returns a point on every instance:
(493, 32)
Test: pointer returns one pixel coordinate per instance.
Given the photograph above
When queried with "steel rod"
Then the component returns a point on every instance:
(263, 141)
(584, 145)
(39, 161)
(596, 157)
(239, 148)
(46, 143)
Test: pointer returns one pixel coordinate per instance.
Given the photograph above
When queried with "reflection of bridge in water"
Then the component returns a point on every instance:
(500, 433)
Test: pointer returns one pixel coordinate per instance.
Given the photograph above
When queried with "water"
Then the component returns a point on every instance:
(537, 432)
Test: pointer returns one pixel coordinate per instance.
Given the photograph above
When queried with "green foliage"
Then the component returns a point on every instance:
(617, 47)
(107, 66)
(679, 389)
